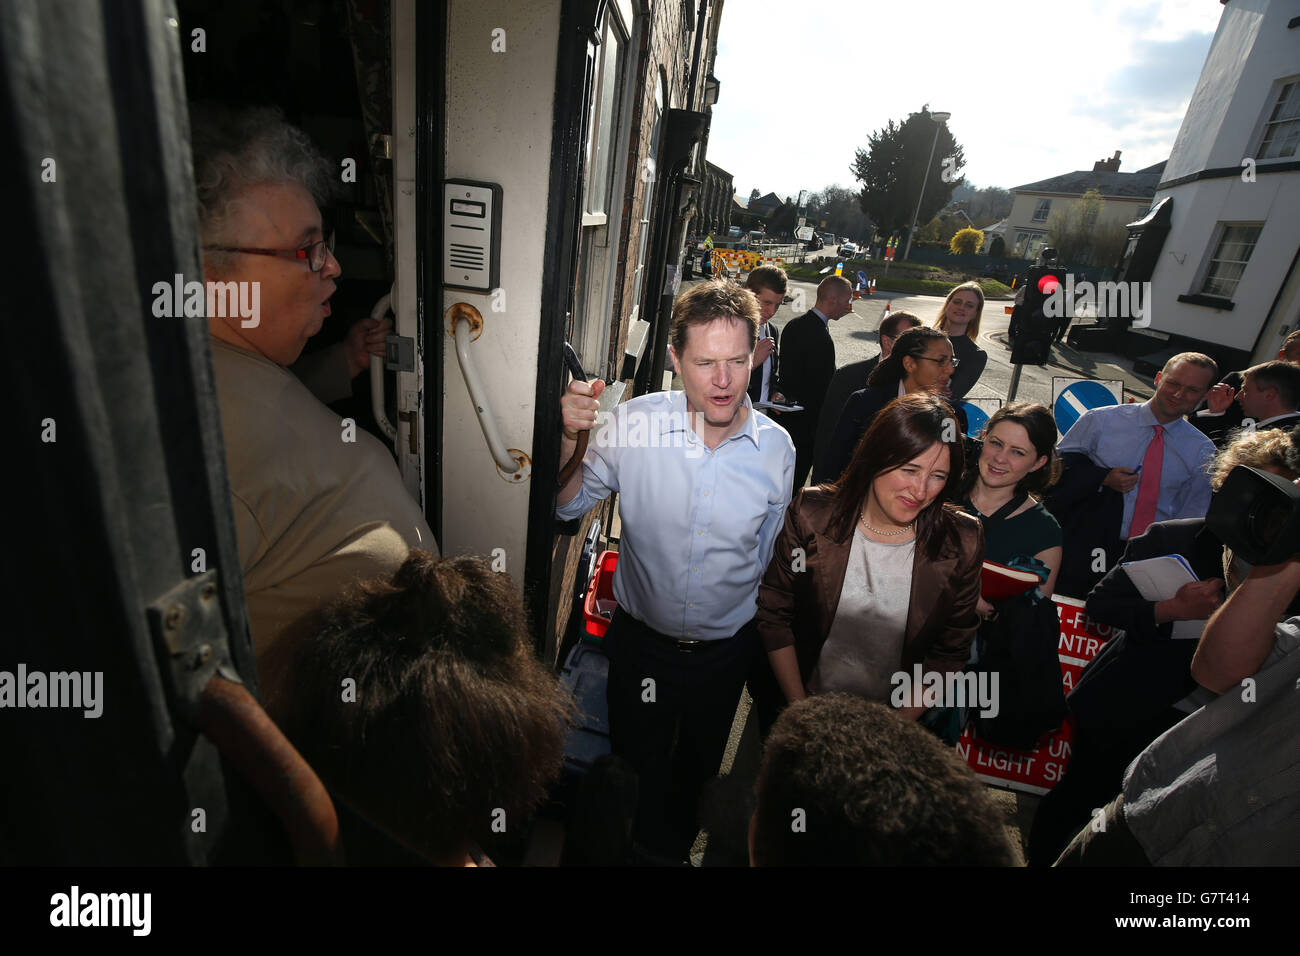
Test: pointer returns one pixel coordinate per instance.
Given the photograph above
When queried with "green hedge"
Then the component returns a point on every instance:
(991, 287)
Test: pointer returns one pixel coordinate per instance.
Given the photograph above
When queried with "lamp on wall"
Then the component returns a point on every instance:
(711, 88)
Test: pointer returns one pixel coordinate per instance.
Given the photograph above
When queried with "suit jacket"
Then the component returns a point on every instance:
(807, 364)
(756, 376)
(1216, 427)
(859, 412)
(1090, 517)
(1143, 671)
(844, 383)
(798, 607)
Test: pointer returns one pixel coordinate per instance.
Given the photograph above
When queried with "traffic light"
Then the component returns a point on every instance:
(1031, 331)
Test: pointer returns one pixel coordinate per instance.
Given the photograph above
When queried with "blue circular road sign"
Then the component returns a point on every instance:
(1078, 398)
(976, 418)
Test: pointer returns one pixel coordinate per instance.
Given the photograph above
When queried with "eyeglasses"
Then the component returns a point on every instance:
(315, 255)
(946, 360)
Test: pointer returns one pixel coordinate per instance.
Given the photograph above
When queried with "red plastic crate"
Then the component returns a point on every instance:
(599, 605)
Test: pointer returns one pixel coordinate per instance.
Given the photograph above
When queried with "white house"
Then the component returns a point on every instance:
(1226, 276)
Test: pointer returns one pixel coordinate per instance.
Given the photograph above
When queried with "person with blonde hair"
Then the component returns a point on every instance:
(959, 318)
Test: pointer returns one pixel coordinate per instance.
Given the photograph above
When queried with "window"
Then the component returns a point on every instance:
(649, 172)
(611, 63)
(1042, 210)
(1282, 130)
(1236, 243)
(1028, 245)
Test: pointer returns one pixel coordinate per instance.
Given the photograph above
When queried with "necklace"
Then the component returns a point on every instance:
(885, 534)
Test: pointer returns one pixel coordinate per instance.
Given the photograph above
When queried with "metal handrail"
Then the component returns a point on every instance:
(474, 383)
(381, 309)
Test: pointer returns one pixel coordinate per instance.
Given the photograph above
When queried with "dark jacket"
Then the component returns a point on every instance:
(1090, 516)
(844, 383)
(859, 412)
(1144, 671)
(1216, 427)
(756, 376)
(807, 364)
(798, 607)
(972, 361)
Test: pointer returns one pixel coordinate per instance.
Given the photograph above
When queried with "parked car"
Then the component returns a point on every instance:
(848, 250)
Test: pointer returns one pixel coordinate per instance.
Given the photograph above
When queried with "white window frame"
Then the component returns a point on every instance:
(1212, 257)
(1269, 127)
(647, 206)
(1046, 210)
(598, 264)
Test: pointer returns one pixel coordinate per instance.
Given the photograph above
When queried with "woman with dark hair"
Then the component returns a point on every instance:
(959, 319)
(1018, 461)
(921, 361)
(875, 574)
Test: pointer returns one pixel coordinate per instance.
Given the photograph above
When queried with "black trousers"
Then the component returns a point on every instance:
(670, 713)
(1098, 760)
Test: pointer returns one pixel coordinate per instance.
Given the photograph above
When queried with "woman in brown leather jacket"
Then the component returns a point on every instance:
(876, 573)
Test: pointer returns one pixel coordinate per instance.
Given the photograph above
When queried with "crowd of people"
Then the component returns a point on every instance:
(408, 682)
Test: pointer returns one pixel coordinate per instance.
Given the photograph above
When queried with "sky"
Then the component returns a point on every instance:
(1035, 88)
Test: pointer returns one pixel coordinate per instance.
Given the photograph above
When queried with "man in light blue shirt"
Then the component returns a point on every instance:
(704, 481)
(1149, 454)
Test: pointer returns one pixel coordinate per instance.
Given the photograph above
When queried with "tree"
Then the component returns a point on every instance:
(840, 209)
(892, 170)
(998, 247)
(966, 242)
(754, 194)
(984, 206)
(1078, 237)
(782, 221)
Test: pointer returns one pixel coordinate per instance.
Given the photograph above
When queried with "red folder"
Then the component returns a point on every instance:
(999, 582)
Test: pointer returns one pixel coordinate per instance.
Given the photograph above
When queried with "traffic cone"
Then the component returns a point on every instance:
(886, 307)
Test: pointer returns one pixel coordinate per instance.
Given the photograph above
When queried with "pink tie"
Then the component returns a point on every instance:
(1144, 512)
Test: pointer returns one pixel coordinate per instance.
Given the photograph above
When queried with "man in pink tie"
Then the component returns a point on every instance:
(1149, 455)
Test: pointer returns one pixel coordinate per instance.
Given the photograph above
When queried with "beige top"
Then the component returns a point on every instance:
(864, 648)
(313, 513)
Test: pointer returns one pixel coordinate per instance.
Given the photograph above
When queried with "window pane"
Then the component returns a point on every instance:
(1282, 132)
(1228, 264)
(604, 120)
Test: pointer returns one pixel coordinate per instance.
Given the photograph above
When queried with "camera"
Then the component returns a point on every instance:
(1257, 515)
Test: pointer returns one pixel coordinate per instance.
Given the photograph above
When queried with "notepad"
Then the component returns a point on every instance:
(1158, 579)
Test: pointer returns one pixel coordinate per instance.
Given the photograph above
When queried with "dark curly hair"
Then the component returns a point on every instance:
(453, 718)
(874, 788)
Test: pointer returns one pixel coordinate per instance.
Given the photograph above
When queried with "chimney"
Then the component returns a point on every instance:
(1107, 165)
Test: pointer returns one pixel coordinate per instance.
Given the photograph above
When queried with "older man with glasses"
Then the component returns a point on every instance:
(318, 504)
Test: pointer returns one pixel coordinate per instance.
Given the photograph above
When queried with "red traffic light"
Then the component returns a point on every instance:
(1048, 284)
